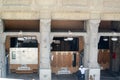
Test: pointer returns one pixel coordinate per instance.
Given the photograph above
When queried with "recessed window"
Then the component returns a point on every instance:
(66, 25)
(23, 42)
(21, 25)
(109, 26)
(61, 44)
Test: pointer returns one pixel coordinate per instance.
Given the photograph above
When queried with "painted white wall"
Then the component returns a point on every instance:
(23, 55)
(94, 73)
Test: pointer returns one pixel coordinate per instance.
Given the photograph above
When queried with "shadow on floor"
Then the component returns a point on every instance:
(105, 75)
(109, 75)
(33, 76)
(36, 76)
(64, 77)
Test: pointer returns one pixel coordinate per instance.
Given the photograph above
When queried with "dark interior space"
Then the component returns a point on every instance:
(109, 57)
(66, 25)
(102, 43)
(21, 42)
(60, 44)
(74, 60)
(109, 26)
(21, 25)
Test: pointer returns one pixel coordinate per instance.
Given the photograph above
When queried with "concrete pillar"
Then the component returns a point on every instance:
(2, 51)
(86, 56)
(86, 51)
(3, 58)
(93, 39)
(45, 69)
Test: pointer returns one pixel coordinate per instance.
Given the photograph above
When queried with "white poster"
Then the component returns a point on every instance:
(23, 55)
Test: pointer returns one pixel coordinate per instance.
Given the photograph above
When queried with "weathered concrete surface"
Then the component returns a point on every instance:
(45, 68)
(60, 9)
(35, 76)
(93, 39)
(2, 51)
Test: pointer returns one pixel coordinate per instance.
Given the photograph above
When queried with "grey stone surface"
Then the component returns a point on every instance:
(44, 69)
(2, 56)
(109, 75)
(64, 77)
(35, 76)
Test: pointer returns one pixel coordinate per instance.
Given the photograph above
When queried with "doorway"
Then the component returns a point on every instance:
(23, 57)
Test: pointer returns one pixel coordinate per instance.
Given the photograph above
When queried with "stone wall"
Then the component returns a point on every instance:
(60, 9)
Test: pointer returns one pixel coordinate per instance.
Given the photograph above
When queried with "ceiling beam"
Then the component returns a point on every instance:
(67, 34)
(109, 34)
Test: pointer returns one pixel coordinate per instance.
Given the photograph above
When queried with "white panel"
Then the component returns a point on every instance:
(24, 55)
(94, 73)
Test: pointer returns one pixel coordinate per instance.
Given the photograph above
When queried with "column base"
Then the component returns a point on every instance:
(94, 74)
(45, 74)
(2, 73)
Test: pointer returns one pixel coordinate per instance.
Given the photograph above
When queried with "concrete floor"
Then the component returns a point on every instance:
(105, 75)
(108, 75)
(36, 76)
(24, 76)
(64, 77)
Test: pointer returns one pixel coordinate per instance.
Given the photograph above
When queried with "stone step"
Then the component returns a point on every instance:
(64, 70)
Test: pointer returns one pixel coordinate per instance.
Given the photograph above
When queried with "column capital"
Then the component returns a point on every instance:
(92, 26)
(45, 20)
(51, 38)
(85, 39)
(2, 38)
(98, 38)
(94, 21)
(38, 38)
(1, 26)
(45, 25)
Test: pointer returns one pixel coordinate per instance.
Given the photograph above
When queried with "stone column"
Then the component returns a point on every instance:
(93, 39)
(45, 69)
(86, 56)
(2, 52)
(2, 56)
(86, 51)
